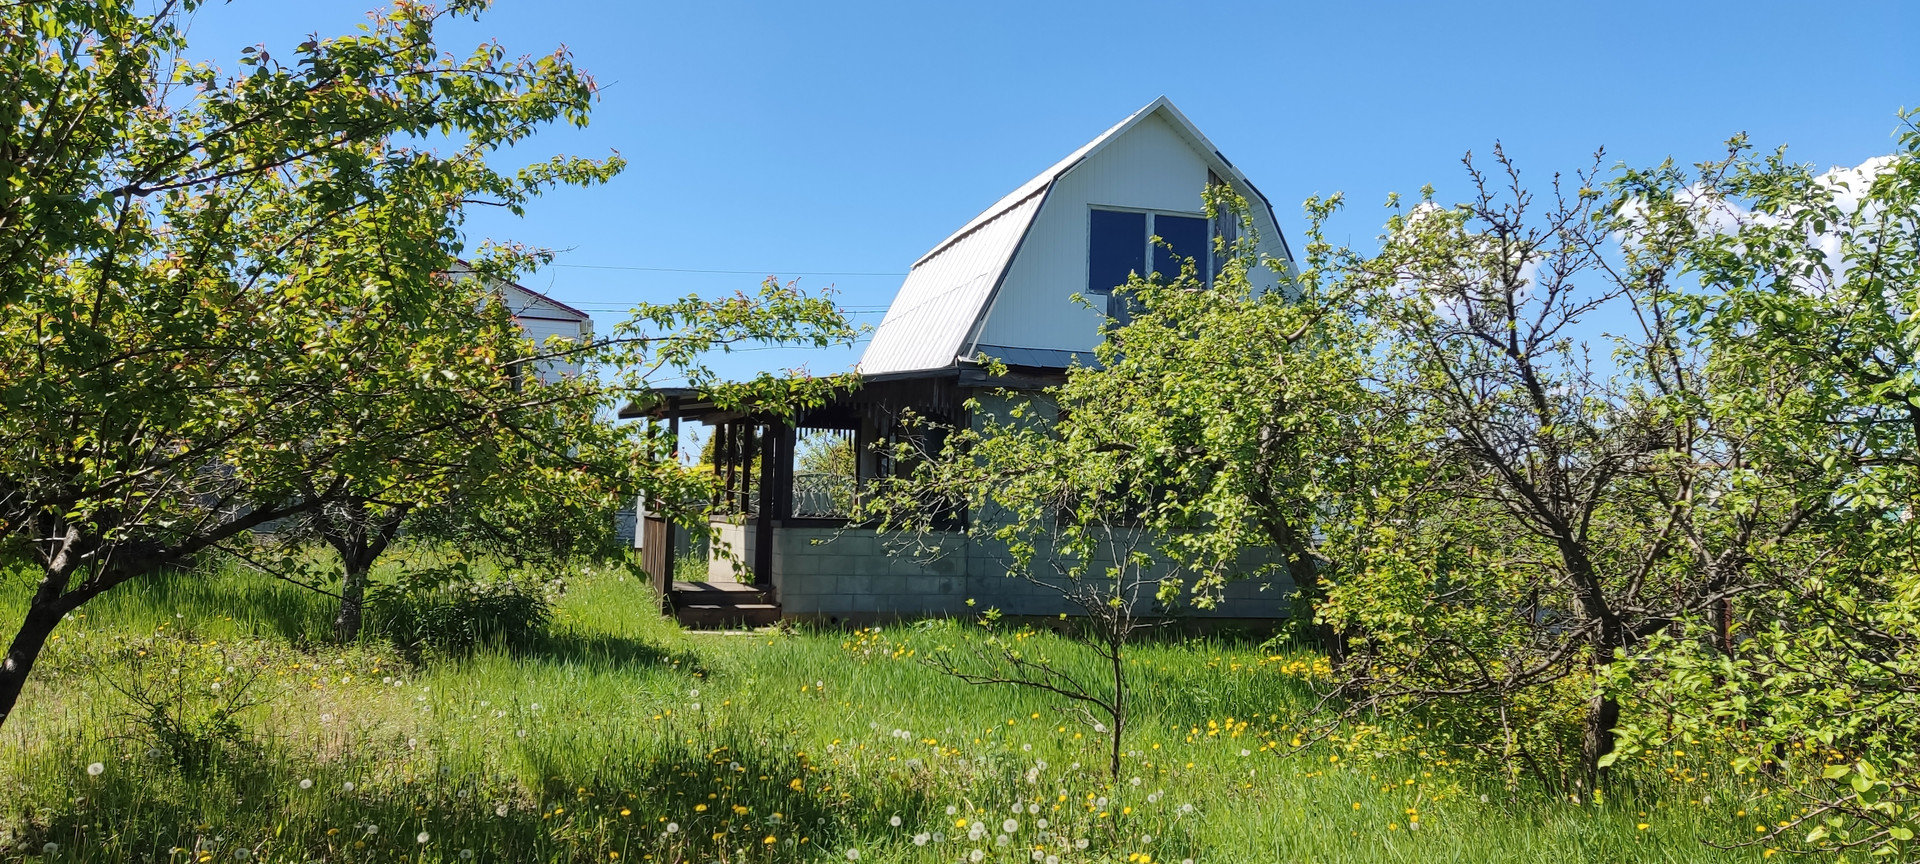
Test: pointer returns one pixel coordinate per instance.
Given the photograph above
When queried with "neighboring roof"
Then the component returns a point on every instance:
(529, 292)
(949, 288)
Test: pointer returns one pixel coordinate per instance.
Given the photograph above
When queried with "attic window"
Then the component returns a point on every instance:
(1119, 244)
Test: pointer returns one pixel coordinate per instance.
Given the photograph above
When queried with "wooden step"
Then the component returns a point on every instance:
(720, 593)
(729, 615)
(724, 604)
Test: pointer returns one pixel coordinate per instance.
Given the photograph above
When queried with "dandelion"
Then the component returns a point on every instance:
(1080, 843)
(895, 821)
(939, 837)
(920, 839)
(373, 829)
(974, 856)
(242, 854)
(1186, 808)
(466, 854)
(673, 827)
(1000, 840)
(951, 809)
(96, 769)
(306, 783)
(422, 837)
(694, 693)
(1010, 826)
(500, 810)
(1145, 839)
(853, 854)
(54, 849)
(347, 786)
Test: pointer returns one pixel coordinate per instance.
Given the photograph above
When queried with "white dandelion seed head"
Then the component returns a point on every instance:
(54, 849)
(535, 706)
(853, 854)
(1146, 838)
(1010, 826)
(1099, 727)
(920, 839)
(695, 706)
(1000, 840)
(976, 855)
(347, 786)
(1186, 861)
(373, 829)
(1053, 859)
(1080, 843)
(939, 837)
(1134, 781)
(1245, 753)
(951, 809)
(1186, 808)
(466, 854)
(694, 693)
(1032, 809)
(673, 827)
(96, 769)
(422, 837)
(1027, 748)
(306, 783)
(242, 854)
(895, 821)
(500, 810)
(1039, 855)
(1100, 802)
(1042, 823)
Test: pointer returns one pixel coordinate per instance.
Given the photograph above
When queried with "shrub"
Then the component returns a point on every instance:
(187, 698)
(453, 609)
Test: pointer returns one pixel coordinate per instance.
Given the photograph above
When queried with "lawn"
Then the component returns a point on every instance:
(622, 738)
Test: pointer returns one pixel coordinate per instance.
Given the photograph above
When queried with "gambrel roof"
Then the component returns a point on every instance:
(937, 317)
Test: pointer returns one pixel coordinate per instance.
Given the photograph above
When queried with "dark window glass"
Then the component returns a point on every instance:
(1116, 246)
(1188, 237)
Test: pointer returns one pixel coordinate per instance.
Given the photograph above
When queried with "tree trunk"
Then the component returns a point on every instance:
(1119, 709)
(27, 643)
(1603, 714)
(353, 602)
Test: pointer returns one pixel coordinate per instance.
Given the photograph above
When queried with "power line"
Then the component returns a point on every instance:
(727, 272)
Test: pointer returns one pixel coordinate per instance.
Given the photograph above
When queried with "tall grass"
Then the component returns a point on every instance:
(620, 737)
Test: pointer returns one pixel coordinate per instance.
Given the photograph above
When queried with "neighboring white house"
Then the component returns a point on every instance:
(541, 318)
(1003, 285)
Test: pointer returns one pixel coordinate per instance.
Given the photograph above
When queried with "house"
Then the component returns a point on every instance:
(1002, 286)
(541, 318)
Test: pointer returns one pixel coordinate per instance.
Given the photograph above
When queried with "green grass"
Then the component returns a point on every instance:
(590, 746)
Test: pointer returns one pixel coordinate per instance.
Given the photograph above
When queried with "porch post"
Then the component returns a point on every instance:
(763, 525)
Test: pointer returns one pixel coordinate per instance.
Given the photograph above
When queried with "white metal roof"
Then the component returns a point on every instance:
(950, 287)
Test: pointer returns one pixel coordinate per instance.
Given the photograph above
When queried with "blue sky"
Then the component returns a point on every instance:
(840, 140)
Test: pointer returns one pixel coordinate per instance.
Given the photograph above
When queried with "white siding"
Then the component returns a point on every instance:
(541, 329)
(1032, 245)
(1148, 167)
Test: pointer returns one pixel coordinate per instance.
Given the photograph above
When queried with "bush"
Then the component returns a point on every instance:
(186, 697)
(452, 609)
